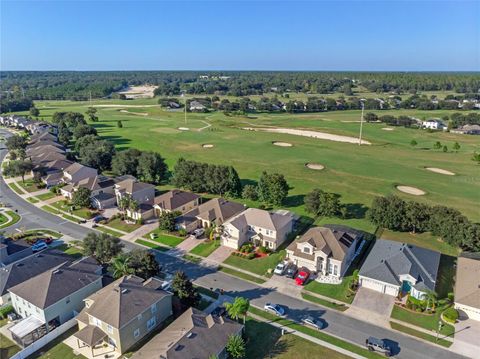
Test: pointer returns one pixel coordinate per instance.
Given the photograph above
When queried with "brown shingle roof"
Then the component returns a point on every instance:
(217, 209)
(174, 199)
(467, 283)
(261, 218)
(124, 299)
(132, 185)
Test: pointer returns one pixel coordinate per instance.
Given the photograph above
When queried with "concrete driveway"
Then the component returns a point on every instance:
(372, 306)
(467, 335)
(220, 254)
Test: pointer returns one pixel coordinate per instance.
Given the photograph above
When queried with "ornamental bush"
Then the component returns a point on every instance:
(450, 315)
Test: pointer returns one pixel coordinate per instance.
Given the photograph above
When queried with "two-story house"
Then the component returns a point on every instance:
(175, 201)
(122, 313)
(101, 189)
(327, 250)
(142, 193)
(53, 297)
(263, 228)
(77, 172)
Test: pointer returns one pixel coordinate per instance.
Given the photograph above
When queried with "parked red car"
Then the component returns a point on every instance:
(302, 276)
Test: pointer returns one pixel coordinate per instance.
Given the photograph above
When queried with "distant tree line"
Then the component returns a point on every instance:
(448, 223)
(14, 104)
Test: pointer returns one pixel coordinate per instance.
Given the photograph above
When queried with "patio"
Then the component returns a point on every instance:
(99, 350)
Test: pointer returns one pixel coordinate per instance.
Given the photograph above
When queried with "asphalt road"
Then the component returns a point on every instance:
(338, 323)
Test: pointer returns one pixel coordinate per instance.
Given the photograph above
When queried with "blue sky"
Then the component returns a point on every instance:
(240, 35)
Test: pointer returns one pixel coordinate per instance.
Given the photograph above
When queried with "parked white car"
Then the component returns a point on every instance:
(280, 268)
(275, 309)
(198, 232)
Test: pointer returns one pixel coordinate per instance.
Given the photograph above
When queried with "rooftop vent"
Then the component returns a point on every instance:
(57, 271)
(179, 347)
(124, 291)
(190, 335)
(19, 264)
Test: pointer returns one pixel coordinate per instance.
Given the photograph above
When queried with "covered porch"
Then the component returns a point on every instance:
(28, 330)
(91, 342)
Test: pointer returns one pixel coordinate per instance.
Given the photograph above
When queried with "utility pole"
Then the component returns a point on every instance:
(361, 126)
(183, 94)
(90, 98)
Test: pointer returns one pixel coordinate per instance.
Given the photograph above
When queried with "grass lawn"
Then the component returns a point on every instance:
(70, 218)
(206, 248)
(169, 240)
(40, 231)
(65, 205)
(266, 341)
(358, 173)
(51, 210)
(241, 275)
(422, 335)
(7, 347)
(30, 186)
(425, 240)
(56, 349)
(445, 276)
(191, 258)
(33, 200)
(3, 219)
(315, 333)
(45, 196)
(151, 245)
(16, 188)
(15, 219)
(109, 231)
(258, 266)
(425, 321)
(70, 250)
(324, 302)
(117, 223)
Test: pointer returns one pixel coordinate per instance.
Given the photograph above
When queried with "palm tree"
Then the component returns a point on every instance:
(431, 298)
(236, 346)
(121, 266)
(238, 308)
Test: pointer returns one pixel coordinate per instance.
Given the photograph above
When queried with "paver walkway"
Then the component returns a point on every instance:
(141, 231)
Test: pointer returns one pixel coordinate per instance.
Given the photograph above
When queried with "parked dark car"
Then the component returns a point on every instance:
(47, 240)
(219, 311)
(378, 345)
(98, 219)
(291, 271)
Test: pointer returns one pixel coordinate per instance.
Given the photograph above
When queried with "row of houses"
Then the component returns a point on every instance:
(23, 123)
(49, 289)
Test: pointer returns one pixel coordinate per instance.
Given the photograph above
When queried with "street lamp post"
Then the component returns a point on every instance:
(440, 325)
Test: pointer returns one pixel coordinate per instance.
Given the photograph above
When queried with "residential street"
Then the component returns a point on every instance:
(338, 323)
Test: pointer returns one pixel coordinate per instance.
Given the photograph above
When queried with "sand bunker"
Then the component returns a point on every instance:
(145, 91)
(282, 144)
(184, 129)
(439, 170)
(411, 190)
(309, 133)
(314, 166)
(123, 106)
(387, 128)
(135, 113)
(207, 145)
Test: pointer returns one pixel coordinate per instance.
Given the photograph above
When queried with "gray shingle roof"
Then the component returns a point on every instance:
(216, 210)
(388, 260)
(174, 199)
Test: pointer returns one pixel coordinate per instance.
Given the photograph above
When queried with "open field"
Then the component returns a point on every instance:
(358, 173)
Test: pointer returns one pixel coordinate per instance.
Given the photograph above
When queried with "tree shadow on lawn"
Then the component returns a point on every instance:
(264, 340)
(446, 273)
(294, 201)
(356, 210)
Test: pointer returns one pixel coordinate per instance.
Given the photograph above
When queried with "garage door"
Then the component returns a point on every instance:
(378, 286)
(391, 290)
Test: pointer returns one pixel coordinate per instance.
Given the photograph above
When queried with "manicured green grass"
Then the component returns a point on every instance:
(117, 223)
(323, 302)
(421, 335)
(206, 248)
(425, 240)
(57, 349)
(3, 219)
(50, 209)
(171, 241)
(425, 321)
(151, 245)
(109, 231)
(30, 186)
(358, 173)
(33, 200)
(70, 218)
(46, 196)
(191, 258)
(7, 347)
(85, 213)
(241, 275)
(315, 333)
(16, 188)
(64, 205)
(70, 250)
(339, 292)
(15, 218)
(258, 266)
(266, 341)
(44, 231)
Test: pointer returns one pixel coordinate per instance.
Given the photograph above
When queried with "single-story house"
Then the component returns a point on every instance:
(467, 285)
(77, 172)
(194, 334)
(264, 228)
(327, 250)
(467, 130)
(396, 268)
(175, 201)
(213, 212)
(434, 124)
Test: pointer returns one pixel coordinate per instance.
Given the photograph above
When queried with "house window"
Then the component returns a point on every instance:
(335, 268)
(270, 244)
(96, 322)
(330, 268)
(153, 308)
(306, 250)
(110, 329)
(136, 333)
(151, 323)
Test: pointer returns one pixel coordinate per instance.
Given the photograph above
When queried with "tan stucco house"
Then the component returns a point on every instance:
(327, 250)
(467, 285)
(264, 228)
(175, 201)
(122, 313)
